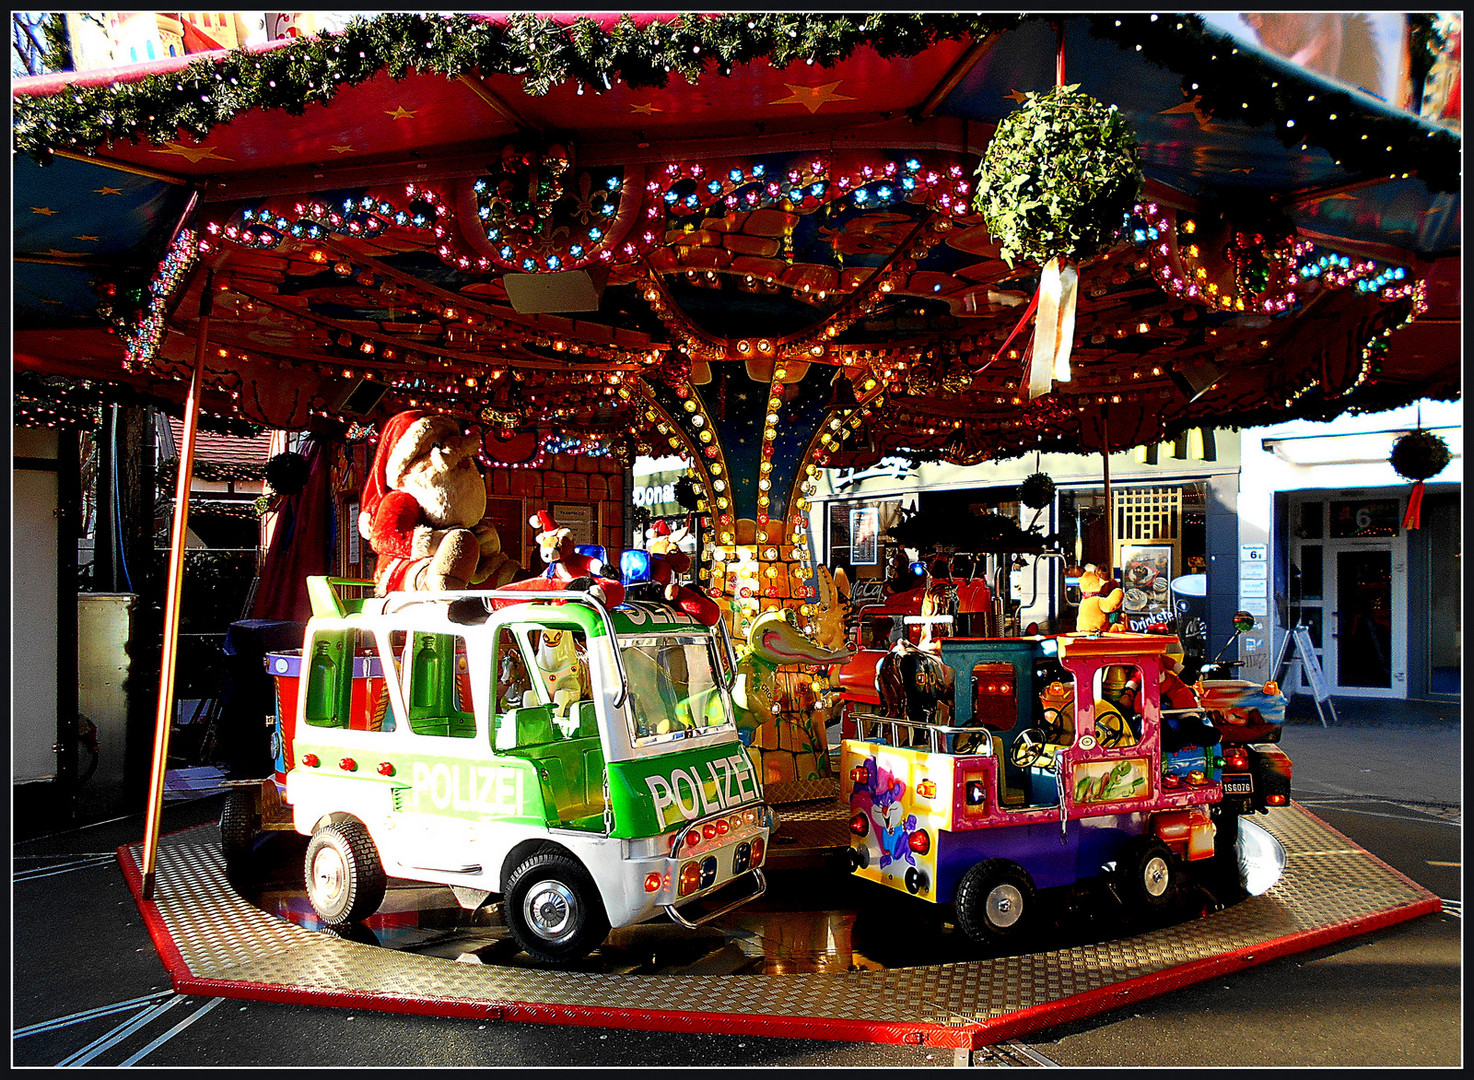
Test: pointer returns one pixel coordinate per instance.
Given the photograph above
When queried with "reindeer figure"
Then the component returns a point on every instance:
(667, 561)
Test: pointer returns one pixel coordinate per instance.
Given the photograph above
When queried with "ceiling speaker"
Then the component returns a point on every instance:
(1195, 377)
(569, 290)
(358, 398)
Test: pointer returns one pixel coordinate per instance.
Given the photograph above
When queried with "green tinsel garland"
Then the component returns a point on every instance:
(542, 51)
(1238, 84)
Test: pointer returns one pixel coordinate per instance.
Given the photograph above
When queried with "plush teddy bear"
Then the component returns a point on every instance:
(1098, 598)
(423, 509)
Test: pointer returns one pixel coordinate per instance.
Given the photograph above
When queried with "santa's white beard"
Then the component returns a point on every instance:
(448, 496)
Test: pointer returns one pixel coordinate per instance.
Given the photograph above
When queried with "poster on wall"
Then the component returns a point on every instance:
(578, 519)
(865, 536)
(1146, 571)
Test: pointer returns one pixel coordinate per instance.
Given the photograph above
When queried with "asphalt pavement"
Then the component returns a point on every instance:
(89, 988)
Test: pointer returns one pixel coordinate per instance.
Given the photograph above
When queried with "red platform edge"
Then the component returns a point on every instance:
(967, 1036)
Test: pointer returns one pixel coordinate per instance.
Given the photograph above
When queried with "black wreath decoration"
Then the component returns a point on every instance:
(687, 497)
(1419, 455)
(287, 473)
(1059, 178)
(1037, 491)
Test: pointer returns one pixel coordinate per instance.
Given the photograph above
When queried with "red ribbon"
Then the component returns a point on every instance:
(1028, 312)
(1413, 518)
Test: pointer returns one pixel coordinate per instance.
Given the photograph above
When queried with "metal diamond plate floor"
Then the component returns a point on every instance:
(215, 941)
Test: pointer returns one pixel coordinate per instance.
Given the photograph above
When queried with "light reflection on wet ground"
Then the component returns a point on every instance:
(812, 919)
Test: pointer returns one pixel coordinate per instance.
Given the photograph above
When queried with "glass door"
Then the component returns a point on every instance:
(1348, 585)
(1366, 646)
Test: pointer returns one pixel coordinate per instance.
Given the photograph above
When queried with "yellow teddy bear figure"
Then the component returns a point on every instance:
(1098, 598)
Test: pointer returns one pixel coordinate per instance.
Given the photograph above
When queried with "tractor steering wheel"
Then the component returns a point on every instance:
(1028, 748)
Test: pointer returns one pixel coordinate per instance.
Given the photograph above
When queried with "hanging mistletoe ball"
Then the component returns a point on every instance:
(1059, 178)
(1419, 455)
(1037, 491)
(287, 473)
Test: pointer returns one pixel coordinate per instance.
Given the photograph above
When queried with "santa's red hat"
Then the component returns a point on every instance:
(543, 522)
(660, 528)
(400, 442)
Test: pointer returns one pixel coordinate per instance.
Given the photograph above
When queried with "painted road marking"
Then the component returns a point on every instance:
(118, 1034)
(89, 1014)
(1009, 1054)
(175, 1030)
(39, 872)
(1455, 822)
(1435, 862)
(1453, 907)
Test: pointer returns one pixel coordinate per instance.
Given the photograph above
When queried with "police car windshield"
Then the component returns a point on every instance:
(674, 690)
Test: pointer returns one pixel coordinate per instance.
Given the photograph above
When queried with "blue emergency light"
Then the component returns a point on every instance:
(634, 566)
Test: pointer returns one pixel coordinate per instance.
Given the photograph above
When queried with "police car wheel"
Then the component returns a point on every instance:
(994, 901)
(345, 879)
(1147, 875)
(553, 908)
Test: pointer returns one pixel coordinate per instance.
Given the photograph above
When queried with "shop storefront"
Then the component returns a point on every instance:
(1169, 542)
(1380, 600)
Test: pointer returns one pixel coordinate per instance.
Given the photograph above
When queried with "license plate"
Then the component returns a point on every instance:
(1242, 784)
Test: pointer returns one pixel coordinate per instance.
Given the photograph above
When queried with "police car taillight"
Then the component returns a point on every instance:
(690, 878)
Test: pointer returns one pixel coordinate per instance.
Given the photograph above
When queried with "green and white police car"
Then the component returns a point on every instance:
(583, 764)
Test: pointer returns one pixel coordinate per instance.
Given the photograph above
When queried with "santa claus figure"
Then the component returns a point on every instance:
(424, 509)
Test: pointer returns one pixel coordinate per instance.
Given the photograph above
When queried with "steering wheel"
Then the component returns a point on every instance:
(1111, 730)
(1028, 749)
(1053, 729)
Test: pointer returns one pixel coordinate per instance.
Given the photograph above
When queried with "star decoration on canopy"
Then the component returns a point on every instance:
(648, 109)
(107, 191)
(44, 210)
(399, 113)
(341, 148)
(1018, 97)
(194, 154)
(812, 97)
(1191, 106)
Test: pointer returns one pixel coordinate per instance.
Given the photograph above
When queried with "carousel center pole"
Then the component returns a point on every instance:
(1110, 513)
(171, 598)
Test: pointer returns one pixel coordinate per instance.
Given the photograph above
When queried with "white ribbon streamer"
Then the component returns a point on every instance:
(1069, 279)
(1054, 327)
(1046, 330)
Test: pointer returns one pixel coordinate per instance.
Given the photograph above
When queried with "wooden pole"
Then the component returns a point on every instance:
(173, 585)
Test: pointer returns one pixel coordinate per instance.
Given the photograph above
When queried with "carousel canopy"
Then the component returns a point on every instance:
(553, 221)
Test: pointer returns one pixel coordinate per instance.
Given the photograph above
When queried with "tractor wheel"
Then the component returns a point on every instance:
(1146, 875)
(995, 902)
